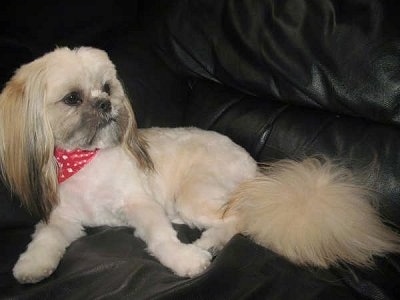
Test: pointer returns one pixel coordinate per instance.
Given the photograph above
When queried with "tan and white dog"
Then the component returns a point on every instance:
(66, 114)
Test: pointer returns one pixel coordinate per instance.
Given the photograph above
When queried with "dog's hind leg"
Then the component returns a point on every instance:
(215, 237)
(200, 203)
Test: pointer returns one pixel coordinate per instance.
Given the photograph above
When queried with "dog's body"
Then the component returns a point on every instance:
(309, 212)
(185, 188)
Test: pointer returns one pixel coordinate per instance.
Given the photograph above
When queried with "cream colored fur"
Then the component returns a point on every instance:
(313, 213)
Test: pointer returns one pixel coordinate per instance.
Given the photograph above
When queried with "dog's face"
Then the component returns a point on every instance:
(84, 102)
(69, 99)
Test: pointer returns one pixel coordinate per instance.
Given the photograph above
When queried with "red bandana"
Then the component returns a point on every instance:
(71, 161)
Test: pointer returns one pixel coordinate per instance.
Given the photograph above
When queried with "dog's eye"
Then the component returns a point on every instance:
(107, 88)
(73, 99)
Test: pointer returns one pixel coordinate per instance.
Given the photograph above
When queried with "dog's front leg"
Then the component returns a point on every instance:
(46, 249)
(153, 226)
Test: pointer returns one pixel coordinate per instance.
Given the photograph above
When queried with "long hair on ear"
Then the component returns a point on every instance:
(134, 142)
(26, 140)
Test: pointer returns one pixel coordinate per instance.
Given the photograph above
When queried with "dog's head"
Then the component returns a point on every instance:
(69, 99)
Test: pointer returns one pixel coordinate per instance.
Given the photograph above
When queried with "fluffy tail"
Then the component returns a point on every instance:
(312, 213)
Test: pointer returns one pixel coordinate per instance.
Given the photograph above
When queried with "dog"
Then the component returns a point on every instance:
(70, 149)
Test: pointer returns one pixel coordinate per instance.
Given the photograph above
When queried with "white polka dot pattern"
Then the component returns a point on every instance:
(71, 161)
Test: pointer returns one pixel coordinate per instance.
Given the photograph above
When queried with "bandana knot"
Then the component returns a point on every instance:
(71, 162)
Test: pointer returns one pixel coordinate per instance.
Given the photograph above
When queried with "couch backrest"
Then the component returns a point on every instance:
(342, 56)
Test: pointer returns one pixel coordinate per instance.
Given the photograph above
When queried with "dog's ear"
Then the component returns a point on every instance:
(26, 140)
(134, 142)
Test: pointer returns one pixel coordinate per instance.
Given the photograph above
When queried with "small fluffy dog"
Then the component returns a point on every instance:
(71, 150)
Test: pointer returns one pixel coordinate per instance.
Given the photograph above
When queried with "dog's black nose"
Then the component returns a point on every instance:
(103, 105)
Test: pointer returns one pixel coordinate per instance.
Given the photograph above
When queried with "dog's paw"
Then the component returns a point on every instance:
(191, 261)
(209, 244)
(185, 260)
(34, 266)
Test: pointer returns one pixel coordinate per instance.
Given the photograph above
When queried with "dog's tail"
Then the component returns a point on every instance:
(312, 213)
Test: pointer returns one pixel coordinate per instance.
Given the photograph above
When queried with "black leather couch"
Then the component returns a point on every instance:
(283, 78)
